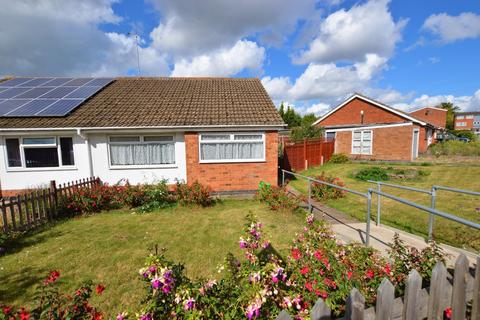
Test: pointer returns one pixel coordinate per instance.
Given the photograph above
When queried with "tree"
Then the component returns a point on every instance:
(307, 130)
(451, 109)
(290, 116)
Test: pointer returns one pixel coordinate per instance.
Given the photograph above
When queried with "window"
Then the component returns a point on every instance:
(461, 124)
(460, 117)
(362, 142)
(237, 147)
(470, 116)
(39, 152)
(330, 135)
(142, 150)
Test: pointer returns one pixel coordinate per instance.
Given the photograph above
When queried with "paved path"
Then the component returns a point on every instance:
(349, 229)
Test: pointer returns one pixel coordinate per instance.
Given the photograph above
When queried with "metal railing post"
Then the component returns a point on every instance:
(309, 195)
(283, 178)
(369, 209)
(379, 204)
(431, 218)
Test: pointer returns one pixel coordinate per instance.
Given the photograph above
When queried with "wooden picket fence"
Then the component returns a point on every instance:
(305, 154)
(36, 207)
(418, 303)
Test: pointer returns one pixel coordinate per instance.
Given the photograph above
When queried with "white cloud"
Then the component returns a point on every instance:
(318, 108)
(225, 62)
(192, 27)
(350, 35)
(466, 103)
(278, 87)
(452, 28)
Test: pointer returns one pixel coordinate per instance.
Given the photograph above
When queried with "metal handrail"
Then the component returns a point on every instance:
(430, 210)
(400, 186)
(470, 192)
(367, 195)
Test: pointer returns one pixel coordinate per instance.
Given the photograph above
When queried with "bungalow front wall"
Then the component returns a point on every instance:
(226, 161)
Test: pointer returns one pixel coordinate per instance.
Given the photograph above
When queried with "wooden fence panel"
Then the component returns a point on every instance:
(36, 207)
(306, 154)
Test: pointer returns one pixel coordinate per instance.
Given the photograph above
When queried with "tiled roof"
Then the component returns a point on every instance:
(157, 102)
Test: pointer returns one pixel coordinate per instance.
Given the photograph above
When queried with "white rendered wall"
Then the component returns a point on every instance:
(15, 178)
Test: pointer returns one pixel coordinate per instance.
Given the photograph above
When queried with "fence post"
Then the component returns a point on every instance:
(379, 209)
(431, 218)
(4, 216)
(305, 162)
(459, 291)
(369, 213)
(283, 177)
(309, 195)
(53, 189)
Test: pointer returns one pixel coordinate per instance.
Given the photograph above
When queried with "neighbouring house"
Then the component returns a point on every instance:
(222, 132)
(467, 121)
(367, 129)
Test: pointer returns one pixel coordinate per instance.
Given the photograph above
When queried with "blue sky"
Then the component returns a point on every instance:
(311, 54)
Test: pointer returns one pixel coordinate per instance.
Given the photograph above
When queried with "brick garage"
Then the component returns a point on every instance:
(367, 129)
(243, 176)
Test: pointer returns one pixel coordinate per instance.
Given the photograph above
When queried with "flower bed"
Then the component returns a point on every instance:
(262, 283)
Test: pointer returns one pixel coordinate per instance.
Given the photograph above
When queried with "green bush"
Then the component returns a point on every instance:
(455, 148)
(276, 198)
(193, 194)
(372, 173)
(322, 191)
(156, 196)
(339, 158)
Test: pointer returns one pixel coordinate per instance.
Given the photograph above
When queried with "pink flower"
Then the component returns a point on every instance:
(296, 254)
(448, 313)
(253, 310)
(304, 270)
(318, 255)
(349, 275)
(189, 304)
(369, 274)
(388, 269)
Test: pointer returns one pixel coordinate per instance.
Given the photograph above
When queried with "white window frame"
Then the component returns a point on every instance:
(231, 140)
(142, 141)
(361, 142)
(460, 117)
(461, 124)
(470, 116)
(22, 147)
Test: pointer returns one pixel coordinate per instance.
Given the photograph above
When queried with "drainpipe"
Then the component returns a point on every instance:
(89, 153)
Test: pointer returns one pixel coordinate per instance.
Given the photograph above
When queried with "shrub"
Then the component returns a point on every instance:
(157, 196)
(193, 194)
(372, 173)
(92, 200)
(339, 158)
(276, 198)
(324, 192)
(51, 304)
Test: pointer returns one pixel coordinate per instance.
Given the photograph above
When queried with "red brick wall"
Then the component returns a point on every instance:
(434, 116)
(394, 143)
(232, 176)
(350, 114)
(468, 124)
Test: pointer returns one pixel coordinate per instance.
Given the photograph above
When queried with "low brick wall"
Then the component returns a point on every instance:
(232, 176)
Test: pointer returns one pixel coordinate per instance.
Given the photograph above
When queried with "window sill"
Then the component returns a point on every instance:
(42, 169)
(139, 167)
(231, 161)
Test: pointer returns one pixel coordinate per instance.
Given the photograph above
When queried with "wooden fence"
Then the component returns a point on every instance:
(34, 208)
(418, 303)
(305, 154)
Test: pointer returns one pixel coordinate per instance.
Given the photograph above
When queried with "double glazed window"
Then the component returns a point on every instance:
(237, 147)
(40, 152)
(142, 150)
(362, 142)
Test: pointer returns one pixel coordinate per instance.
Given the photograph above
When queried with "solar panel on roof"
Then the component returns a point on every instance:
(77, 82)
(46, 97)
(56, 82)
(59, 92)
(63, 107)
(83, 92)
(8, 105)
(14, 82)
(34, 93)
(30, 108)
(36, 82)
(12, 92)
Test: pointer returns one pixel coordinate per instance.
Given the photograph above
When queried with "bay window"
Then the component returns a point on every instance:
(142, 150)
(362, 142)
(232, 147)
(39, 152)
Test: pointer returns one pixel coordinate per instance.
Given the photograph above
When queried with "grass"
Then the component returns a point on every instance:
(111, 247)
(463, 176)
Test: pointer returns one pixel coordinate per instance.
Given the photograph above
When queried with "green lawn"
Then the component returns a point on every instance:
(111, 248)
(463, 176)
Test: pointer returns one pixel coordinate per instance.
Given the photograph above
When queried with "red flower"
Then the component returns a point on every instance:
(448, 313)
(100, 288)
(369, 274)
(24, 315)
(322, 293)
(98, 316)
(304, 270)
(52, 277)
(6, 310)
(309, 286)
(387, 269)
(296, 254)
(330, 283)
(349, 275)
(318, 254)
